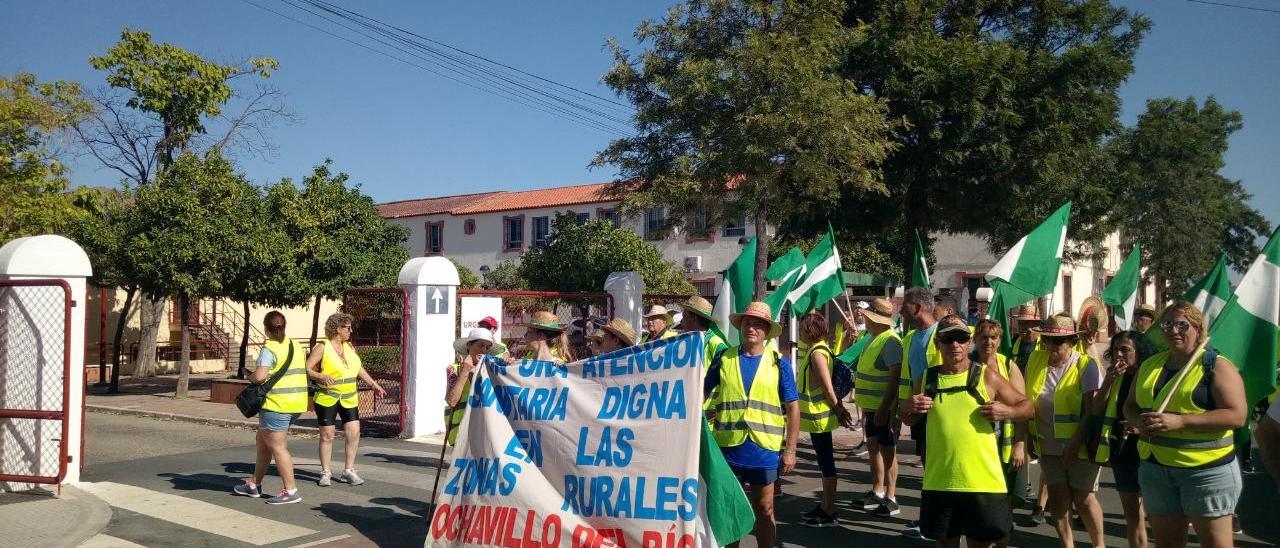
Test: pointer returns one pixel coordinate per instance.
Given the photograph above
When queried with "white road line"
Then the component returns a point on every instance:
(196, 514)
(321, 541)
(108, 541)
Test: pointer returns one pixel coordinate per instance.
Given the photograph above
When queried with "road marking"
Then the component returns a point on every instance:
(108, 541)
(322, 541)
(196, 514)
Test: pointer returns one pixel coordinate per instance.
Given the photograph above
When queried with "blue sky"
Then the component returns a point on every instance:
(405, 133)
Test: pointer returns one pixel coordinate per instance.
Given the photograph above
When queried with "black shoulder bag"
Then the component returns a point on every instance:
(253, 396)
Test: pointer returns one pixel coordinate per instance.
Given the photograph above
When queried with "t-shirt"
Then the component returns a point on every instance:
(266, 358)
(890, 354)
(750, 454)
(918, 353)
(1089, 382)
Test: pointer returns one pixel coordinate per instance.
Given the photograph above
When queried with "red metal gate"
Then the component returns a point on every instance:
(580, 312)
(35, 363)
(378, 334)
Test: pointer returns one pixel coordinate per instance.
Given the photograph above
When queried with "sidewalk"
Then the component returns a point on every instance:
(39, 519)
(154, 397)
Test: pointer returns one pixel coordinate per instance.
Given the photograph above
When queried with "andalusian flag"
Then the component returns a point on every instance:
(1210, 294)
(1029, 270)
(736, 289)
(823, 280)
(788, 270)
(1247, 328)
(1122, 292)
(919, 267)
(724, 513)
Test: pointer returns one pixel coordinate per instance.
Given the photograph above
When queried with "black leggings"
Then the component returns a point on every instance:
(826, 453)
(326, 414)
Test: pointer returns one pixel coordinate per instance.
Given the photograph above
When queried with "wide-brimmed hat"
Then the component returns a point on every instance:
(1145, 310)
(758, 310)
(545, 321)
(880, 312)
(620, 329)
(477, 334)
(698, 306)
(1058, 325)
(1028, 313)
(659, 310)
(1093, 315)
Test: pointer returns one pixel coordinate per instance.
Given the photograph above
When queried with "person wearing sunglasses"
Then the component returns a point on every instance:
(1012, 434)
(1062, 381)
(1117, 440)
(1187, 470)
(964, 491)
(335, 367)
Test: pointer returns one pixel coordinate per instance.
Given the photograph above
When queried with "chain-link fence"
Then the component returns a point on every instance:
(35, 348)
(377, 334)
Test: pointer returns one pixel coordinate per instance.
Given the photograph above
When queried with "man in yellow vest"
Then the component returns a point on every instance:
(755, 411)
(964, 490)
(657, 324)
(615, 335)
(285, 403)
(698, 317)
(877, 369)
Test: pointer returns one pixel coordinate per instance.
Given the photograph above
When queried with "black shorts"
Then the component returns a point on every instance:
(982, 517)
(325, 414)
(887, 435)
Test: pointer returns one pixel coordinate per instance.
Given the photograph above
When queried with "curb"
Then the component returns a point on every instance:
(96, 519)
(225, 423)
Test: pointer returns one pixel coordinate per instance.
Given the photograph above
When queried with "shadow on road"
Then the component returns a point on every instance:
(383, 526)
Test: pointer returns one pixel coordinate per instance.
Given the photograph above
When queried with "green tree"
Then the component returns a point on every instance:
(103, 234)
(1173, 197)
(33, 185)
(504, 277)
(740, 112)
(466, 278)
(578, 257)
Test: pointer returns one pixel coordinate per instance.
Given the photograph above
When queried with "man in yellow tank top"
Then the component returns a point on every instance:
(285, 403)
(964, 489)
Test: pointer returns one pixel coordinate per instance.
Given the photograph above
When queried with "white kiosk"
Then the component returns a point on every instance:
(431, 284)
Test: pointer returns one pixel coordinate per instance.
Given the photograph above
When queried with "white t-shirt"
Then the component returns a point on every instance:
(1091, 381)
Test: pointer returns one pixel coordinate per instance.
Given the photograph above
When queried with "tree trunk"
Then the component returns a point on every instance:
(315, 321)
(184, 362)
(151, 313)
(244, 343)
(762, 253)
(119, 339)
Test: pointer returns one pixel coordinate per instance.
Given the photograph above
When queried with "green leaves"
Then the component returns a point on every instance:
(578, 257)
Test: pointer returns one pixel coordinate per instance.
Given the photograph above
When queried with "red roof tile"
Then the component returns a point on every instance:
(493, 202)
(430, 206)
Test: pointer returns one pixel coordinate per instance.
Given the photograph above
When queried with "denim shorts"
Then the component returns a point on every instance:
(276, 421)
(1197, 493)
(1081, 476)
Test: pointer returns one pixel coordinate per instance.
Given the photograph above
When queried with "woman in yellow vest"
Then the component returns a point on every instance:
(335, 367)
(545, 339)
(658, 323)
(1061, 382)
(1188, 470)
(821, 412)
(472, 348)
(1117, 440)
(875, 394)
(1012, 435)
(286, 401)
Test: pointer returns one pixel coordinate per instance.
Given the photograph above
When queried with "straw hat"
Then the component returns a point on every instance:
(545, 321)
(619, 329)
(477, 334)
(1145, 310)
(699, 307)
(1028, 313)
(880, 312)
(758, 310)
(1058, 325)
(659, 310)
(1093, 315)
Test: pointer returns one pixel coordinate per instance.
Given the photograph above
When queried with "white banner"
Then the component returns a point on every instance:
(473, 309)
(600, 452)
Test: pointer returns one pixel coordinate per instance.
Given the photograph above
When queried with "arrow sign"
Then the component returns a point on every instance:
(438, 302)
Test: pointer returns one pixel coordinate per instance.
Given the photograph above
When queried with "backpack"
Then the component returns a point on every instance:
(930, 387)
(841, 378)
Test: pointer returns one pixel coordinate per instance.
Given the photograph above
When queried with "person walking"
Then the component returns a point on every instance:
(1012, 435)
(615, 335)
(657, 324)
(473, 348)
(1185, 406)
(821, 412)
(874, 393)
(752, 390)
(335, 367)
(964, 491)
(698, 317)
(286, 401)
(1117, 442)
(1062, 381)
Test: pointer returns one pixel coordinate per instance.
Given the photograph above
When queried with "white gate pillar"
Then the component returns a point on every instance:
(431, 284)
(627, 290)
(46, 257)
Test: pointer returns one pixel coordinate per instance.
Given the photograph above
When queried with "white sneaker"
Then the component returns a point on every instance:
(350, 476)
(325, 479)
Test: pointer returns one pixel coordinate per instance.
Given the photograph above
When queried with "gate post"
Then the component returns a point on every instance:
(431, 285)
(627, 290)
(51, 257)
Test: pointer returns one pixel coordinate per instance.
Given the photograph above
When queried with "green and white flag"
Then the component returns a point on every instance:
(823, 280)
(1122, 292)
(736, 289)
(1247, 329)
(787, 270)
(723, 505)
(919, 267)
(1210, 294)
(1029, 270)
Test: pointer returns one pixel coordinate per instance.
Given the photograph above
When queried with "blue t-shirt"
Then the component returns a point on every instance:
(917, 355)
(750, 454)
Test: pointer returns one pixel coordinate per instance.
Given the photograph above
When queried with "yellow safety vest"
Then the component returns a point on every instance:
(555, 355)
(714, 344)
(666, 334)
(932, 358)
(962, 454)
(344, 374)
(289, 394)
(1005, 433)
(1068, 398)
(1017, 347)
(1107, 424)
(454, 414)
(1185, 448)
(816, 414)
(870, 382)
(757, 415)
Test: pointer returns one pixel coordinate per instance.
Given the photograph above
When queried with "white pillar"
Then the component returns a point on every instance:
(431, 284)
(45, 257)
(627, 290)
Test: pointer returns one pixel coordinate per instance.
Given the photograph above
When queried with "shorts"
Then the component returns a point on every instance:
(1082, 475)
(826, 452)
(982, 517)
(919, 435)
(1015, 481)
(1126, 475)
(755, 476)
(1197, 493)
(276, 421)
(887, 435)
(325, 414)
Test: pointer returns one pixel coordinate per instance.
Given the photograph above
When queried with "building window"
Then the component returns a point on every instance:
(610, 215)
(513, 233)
(435, 238)
(1066, 294)
(469, 227)
(581, 218)
(541, 226)
(705, 288)
(735, 228)
(698, 228)
(655, 219)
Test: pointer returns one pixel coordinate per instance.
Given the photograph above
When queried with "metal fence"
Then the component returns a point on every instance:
(35, 350)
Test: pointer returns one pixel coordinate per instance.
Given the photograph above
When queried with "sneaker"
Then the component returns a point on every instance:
(815, 511)
(821, 519)
(247, 489)
(871, 501)
(1036, 518)
(326, 479)
(912, 530)
(285, 497)
(350, 476)
(888, 508)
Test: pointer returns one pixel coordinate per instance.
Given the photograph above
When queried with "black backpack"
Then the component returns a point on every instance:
(931, 389)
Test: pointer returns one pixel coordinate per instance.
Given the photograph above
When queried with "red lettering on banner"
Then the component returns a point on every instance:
(583, 537)
(475, 533)
(613, 537)
(526, 542)
(439, 521)
(510, 541)
(551, 526)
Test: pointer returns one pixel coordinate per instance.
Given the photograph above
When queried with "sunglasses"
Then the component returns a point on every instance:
(1180, 326)
(952, 338)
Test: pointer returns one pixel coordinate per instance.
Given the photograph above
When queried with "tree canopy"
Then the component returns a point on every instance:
(578, 257)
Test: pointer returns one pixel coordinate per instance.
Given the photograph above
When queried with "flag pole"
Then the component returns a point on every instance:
(1182, 374)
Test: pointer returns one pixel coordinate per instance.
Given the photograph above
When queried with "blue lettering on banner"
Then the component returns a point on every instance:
(613, 497)
(519, 403)
(482, 476)
(610, 451)
(677, 353)
(665, 400)
(539, 368)
(527, 446)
